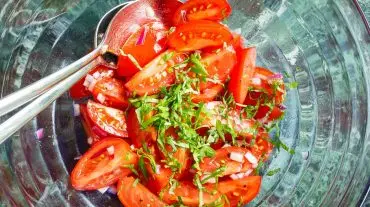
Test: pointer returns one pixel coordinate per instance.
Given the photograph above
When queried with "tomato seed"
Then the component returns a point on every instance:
(209, 6)
(195, 9)
(201, 7)
(183, 38)
(204, 34)
(219, 36)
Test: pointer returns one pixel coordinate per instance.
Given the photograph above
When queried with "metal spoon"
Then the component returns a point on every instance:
(114, 23)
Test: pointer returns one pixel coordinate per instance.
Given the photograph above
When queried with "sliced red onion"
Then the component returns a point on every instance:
(159, 36)
(282, 106)
(157, 169)
(132, 147)
(77, 158)
(99, 131)
(86, 83)
(76, 109)
(157, 48)
(40, 133)
(277, 76)
(251, 158)
(183, 15)
(103, 190)
(101, 98)
(234, 176)
(226, 145)
(141, 39)
(256, 81)
(248, 172)
(89, 141)
(238, 157)
(89, 78)
(133, 28)
(211, 180)
(110, 150)
(112, 189)
(255, 165)
(96, 75)
(92, 85)
(149, 12)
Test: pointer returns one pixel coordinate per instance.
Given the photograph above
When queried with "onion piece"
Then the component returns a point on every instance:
(86, 83)
(89, 78)
(157, 169)
(112, 189)
(101, 98)
(282, 106)
(276, 76)
(251, 158)
(96, 75)
(89, 141)
(234, 176)
(76, 109)
(237, 157)
(142, 37)
(211, 180)
(256, 81)
(40, 133)
(110, 150)
(92, 85)
(103, 190)
(226, 145)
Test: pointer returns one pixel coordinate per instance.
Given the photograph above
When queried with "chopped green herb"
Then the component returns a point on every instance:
(286, 74)
(293, 85)
(142, 167)
(134, 184)
(198, 66)
(273, 172)
(171, 30)
(132, 168)
(167, 56)
(215, 174)
(259, 167)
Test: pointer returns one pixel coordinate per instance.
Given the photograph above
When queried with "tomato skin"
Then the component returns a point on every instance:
(242, 73)
(155, 75)
(215, 10)
(222, 158)
(113, 91)
(110, 120)
(97, 168)
(243, 190)
(137, 135)
(199, 34)
(154, 41)
(92, 131)
(218, 65)
(190, 195)
(131, 194)
(157, 182)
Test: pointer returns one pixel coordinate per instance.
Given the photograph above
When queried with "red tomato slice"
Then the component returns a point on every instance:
(222, 158)
(190, 195)
(219, 66)
(111, 120)
(139, 136)
(238, 42)
(142, 47)
(156, 74)
(98, 168)
(92, 131)
(79, 91)
(243, 190)
(132, 193)
(199, 9)
(242, 73)
(208, 94)
(263, 80)
(110, 92)
(158, 181)
(199, 34)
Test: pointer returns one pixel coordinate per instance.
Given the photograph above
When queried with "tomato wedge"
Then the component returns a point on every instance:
(110, 92)
(199, 34)
(158, 181)
(133, 193)
(215, 10)
(208, 94)
(110, 120)
(142, 47)
(79, 91)
(92, 131)
(99, 168)
(242, 73)
(156, 74)
(219, 65)
(190, 195)
(240, 191)
(139, 136)
(222, 158)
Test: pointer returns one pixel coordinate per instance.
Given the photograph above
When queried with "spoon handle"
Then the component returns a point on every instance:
(14, 123)
(24, 95)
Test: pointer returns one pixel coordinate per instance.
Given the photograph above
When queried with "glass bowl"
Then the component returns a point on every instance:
(322, 45)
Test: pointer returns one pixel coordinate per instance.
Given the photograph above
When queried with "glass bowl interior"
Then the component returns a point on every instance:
(322, 45)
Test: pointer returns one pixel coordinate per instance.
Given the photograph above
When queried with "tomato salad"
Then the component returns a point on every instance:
(185, 117)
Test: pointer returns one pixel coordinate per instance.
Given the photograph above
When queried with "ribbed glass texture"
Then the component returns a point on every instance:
(321, 44)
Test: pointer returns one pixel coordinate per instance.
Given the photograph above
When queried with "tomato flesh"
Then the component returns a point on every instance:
(242, 74)
(142, 47)
(139, 136)
(215, 10)
(199, 34)
(92, 131)
(240, 191)
(110, 120)
(133, 193)
(156, 74)
(110, 92)
(208, 94)
(98, 168)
